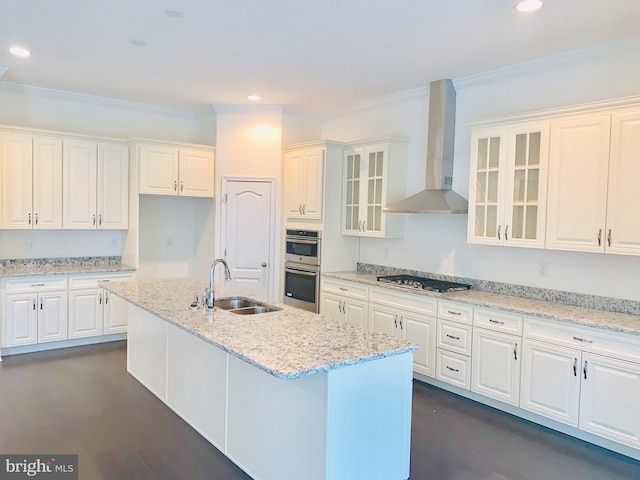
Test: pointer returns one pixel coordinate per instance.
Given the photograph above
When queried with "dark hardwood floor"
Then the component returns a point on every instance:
(82, 400)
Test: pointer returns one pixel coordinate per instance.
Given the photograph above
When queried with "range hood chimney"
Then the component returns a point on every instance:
(438, 196)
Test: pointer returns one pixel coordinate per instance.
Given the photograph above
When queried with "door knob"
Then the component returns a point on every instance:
(264, 264)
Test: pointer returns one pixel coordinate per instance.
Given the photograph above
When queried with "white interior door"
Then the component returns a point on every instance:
(248, 228)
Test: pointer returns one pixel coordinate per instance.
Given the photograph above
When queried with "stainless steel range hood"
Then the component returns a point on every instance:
(438, 196)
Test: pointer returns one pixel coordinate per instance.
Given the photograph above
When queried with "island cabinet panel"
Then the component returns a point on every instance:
(147, 350)
(196, 384)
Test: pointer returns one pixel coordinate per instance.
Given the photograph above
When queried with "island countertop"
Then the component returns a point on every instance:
(288, 343)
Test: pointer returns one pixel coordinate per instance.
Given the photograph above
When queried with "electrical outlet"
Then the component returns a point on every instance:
(31, 244)
(543, 269)
(385, 252)
(169, 241)
(114, 242)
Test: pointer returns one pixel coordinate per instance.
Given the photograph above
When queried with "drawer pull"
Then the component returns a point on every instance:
(344, 289)
(497, 322)
(454, 313)
(575, 367)
(452, 369)
(583, 340)
(453, 336)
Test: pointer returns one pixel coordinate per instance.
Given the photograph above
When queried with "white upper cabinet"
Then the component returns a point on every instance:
(508, 185)
(31, 181)
(593, 183)
(176, 170)
(96, 186)
(304, 182)
(373, 174)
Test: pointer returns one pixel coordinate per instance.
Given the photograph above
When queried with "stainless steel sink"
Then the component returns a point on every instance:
(243, 306)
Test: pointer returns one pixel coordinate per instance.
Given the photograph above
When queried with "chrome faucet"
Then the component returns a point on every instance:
(208, 297)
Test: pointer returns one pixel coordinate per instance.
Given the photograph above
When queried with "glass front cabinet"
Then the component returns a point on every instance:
(373, 174)
(508, 184)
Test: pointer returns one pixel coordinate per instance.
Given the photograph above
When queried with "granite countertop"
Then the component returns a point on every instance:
(612, 321)
(288, 343)
(29, 269)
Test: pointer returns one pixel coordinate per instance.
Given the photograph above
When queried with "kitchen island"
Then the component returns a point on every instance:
(286, 394)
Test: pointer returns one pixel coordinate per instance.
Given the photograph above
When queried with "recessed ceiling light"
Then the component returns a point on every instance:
(137, 42)
(529, 5)
(173, 13)
(254, 98)
(19, 51)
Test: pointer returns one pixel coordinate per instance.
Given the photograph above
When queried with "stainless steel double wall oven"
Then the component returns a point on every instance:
(302, 269)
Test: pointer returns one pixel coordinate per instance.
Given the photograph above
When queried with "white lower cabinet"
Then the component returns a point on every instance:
(345, 302)
(35, 311)
(92, 310)
(410, 317)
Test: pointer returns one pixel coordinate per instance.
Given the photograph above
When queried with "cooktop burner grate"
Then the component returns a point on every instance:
(431, 284)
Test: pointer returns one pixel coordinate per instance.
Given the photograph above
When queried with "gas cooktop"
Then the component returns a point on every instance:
(408, 281)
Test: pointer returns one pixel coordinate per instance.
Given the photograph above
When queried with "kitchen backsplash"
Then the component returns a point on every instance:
(567, 298)
(41, 262)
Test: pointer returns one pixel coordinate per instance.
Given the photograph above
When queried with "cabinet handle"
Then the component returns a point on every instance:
(304, 208)
(175, 186)
(515, 352)
(600, 237)
(584, 370)
(496, 321)
(608, 234)
(575, 367)
(94, 219)
(100, 298)
(37, 219)
(181, 185)
(452, 369)
(583, 340)
(454, 313)
(100, 219)
(106, 297)
(29, 219)
(453, 336)
(34, 303)
(401, 318)
(506, 233)
(344, 289)
(40, 304)
(395, 320)
(499, 227)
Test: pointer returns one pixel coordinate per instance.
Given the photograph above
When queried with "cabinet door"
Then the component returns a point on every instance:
(47, 183)
(486, 186)
(331, 306)
(85, 313)
(495, 368)
(623, 199)
(17, 184)
(355, 312)
(578, 170)
(351, 218)
(609, 398)
(526, 185)
(421, 330)
(373, 194)
(551, 381)
(52, 316)
(196, 172)
(20, 320)
(158, 170)
(313, 184)
(294, 183)
(385, 320)
(114, 314)
(113, 186)
(80, 170)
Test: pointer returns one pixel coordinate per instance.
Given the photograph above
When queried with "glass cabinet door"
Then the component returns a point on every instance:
(351, 217)
(374, 191)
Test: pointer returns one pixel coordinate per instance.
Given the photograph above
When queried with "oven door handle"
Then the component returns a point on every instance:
(300, 240)
(301, 272)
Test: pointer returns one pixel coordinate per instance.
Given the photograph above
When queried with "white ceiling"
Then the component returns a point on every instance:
(317, 54)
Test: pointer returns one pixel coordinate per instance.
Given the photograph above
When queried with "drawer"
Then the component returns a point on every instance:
(454, 337)
(92, 281)
(345, 289)
(33, 284)
(453, 368)
(417, 303)
(498, 321)
(455, 312)
(587, 339)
